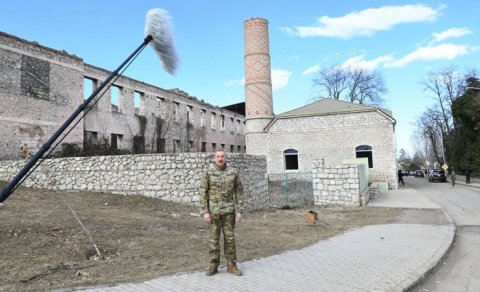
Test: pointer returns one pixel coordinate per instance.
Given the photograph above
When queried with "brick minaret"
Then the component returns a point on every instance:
(258, 83)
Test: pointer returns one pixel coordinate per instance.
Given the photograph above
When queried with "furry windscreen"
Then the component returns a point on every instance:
(158, 26)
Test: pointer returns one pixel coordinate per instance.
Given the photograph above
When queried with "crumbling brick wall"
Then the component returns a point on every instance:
(39, 88)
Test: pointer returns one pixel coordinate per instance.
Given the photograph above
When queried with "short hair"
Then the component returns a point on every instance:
(220, 150)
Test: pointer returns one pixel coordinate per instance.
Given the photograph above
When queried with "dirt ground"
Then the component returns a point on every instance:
(44, 247)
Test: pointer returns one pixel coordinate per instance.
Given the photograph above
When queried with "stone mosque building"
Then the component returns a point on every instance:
(333, 130)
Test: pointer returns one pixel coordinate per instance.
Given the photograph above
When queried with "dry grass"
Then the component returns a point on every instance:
(43, 247)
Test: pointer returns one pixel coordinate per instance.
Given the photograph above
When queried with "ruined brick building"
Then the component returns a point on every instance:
(41, 87)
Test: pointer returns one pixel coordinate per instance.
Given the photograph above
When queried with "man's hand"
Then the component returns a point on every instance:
(207, 218)
(238, 217)
(2, 206)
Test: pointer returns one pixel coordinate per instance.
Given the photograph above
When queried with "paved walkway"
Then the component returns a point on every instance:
(390, 257)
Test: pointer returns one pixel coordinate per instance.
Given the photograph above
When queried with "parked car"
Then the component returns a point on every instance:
(419, 173)
(437, 174)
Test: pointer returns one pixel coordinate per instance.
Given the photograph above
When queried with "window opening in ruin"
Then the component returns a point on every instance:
(189, 112)
(365, 151)
(202, 117)
(239, 148)
(176, 112)
(176, 146)
(213, 121)
(88, 86)
(116, 141)
(138, 102)
(204, 147)
(160, 107)
(238, 127)
(223, 146)
(232, 148)
(161, 145)
(91, 137)
(232, 125)
(291, 159)
(115, 98)
(35, 78)
(190, 145)
(222, 123)
(214, 147)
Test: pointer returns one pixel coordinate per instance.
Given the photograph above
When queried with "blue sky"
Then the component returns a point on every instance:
(403, 40)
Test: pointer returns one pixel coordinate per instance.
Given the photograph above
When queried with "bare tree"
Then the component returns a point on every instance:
(403, 158)
(429, 126)
(333, 80)
(365, 87)
(434, 84)
(445, 86)
(353, 84)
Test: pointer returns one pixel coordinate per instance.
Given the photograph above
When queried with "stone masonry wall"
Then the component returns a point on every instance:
(339, 185)
(171, 177)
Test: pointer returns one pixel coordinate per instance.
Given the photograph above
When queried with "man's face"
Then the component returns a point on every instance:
(220, 158)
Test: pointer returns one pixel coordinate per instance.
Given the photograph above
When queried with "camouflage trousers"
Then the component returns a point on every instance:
(226, 224)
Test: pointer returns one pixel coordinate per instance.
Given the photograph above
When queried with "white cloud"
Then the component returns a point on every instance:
(366, 22)
(440, 52)
(237, 82)
(280, 79)
(311, 70)
(451, 33)
(360, 62)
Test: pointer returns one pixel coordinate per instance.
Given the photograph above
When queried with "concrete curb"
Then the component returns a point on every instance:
(430, 270)
(470, 185)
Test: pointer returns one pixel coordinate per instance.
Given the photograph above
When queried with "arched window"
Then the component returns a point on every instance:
(365, 151)
(290, 156)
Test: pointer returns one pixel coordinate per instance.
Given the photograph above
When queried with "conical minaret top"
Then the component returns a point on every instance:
(258, 81)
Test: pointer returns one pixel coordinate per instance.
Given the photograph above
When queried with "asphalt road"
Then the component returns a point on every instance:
(460, 270)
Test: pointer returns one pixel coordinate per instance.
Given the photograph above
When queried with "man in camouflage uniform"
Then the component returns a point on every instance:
(221, 203)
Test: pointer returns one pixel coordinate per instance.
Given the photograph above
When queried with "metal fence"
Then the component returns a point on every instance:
(286, 190)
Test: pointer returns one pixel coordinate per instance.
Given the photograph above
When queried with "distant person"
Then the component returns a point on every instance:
(400, 177)
(467, 177)
(26, 152)
(453, 177)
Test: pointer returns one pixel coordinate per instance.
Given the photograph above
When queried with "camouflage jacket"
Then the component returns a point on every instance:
(221, 191)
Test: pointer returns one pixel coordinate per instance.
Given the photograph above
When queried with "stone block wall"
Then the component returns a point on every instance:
(340, 185)
(171, 177)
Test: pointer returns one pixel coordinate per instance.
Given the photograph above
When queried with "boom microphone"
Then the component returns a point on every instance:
(157, 30)
(158, 27)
